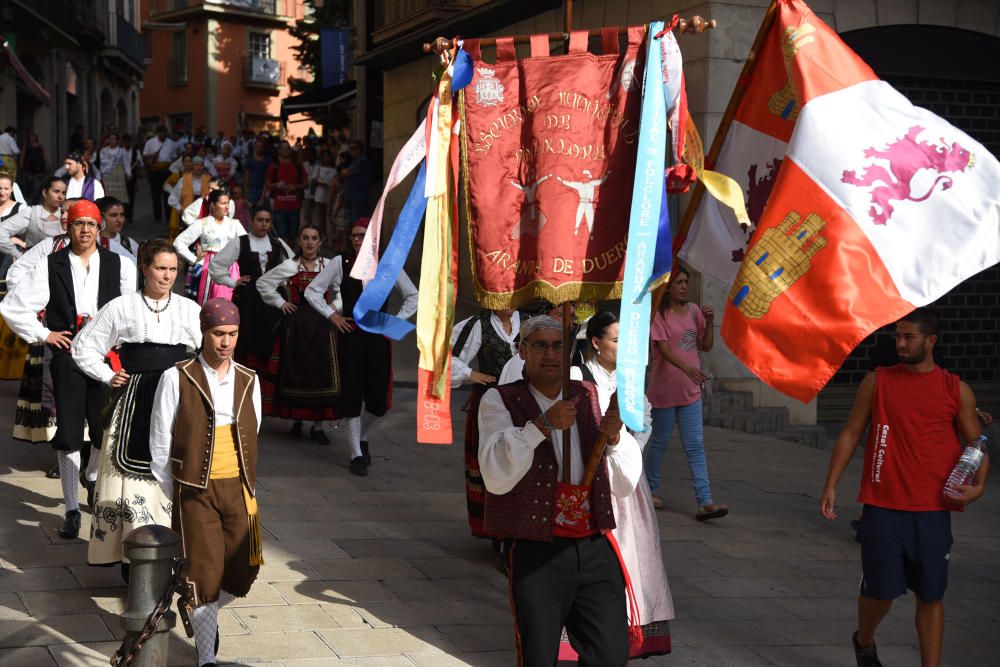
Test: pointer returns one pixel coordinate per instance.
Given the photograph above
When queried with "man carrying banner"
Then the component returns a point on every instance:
(920, 414)
(563, 570)
(203, 451)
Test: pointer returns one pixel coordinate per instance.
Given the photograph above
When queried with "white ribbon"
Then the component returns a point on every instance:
(413, 153)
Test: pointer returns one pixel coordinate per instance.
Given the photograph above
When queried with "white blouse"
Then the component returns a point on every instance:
(214, 235)
(29, 259)
(506, 452)
(128, 320)
(218, 268)
(332, 276)
(193, 211)
(115, 156)
(607, 384)
(269, 283)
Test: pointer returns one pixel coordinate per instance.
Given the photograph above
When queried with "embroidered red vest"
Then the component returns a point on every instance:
(528, 510)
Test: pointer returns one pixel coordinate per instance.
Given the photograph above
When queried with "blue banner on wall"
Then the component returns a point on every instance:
(335, 49)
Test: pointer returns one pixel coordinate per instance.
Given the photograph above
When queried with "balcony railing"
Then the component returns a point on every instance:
(269, 7)
(178, 70)
(260, 6)
(128, 40)
(263, 72)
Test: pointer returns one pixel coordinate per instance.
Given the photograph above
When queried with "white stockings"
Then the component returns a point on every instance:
(69, 477)
(205, 620)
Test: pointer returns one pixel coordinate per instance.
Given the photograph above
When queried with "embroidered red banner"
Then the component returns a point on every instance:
(549, 149)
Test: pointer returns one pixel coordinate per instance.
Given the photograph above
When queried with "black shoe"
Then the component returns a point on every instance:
(365, 454)
(359, 467)
(319, 436)
(866, 657)
(125, 572)
(53, 472)
(91, 489)
(70, 528)
(296, 429)
(216, 640)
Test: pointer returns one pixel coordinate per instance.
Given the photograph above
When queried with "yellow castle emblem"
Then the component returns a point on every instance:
(780, 257)
(783, 103)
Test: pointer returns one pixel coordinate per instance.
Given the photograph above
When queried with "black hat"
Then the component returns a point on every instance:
(75, 157)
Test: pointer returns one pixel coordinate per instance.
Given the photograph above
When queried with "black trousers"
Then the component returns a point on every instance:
(571, 583)
(78, 398)
(365, 372)
(157, 177)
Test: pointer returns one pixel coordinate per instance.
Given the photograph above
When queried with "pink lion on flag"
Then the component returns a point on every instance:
(907, 156)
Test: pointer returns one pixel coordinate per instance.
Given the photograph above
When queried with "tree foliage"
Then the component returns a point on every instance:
(325, 14)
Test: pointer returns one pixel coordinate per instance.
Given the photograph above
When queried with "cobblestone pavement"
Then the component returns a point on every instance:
(381, 570)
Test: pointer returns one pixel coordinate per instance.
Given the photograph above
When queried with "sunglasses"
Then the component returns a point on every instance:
(358, 237)
(90, 224)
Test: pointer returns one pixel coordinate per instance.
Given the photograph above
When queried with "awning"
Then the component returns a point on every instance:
(317, 100)
(36, 89)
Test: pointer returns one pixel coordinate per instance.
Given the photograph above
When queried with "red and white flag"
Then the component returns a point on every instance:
(879, 207)
(751, 154)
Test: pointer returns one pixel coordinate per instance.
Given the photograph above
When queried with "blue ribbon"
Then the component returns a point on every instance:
(663, 257)
(648, 205)
(461, 75)
(367, 313)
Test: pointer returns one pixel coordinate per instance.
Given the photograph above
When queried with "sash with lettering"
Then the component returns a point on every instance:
(549, 148)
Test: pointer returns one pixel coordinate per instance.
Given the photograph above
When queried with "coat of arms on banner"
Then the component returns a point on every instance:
(549, 147)
(488, 89)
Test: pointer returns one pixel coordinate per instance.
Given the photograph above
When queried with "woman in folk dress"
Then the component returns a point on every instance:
(151, 330)
(212, 233)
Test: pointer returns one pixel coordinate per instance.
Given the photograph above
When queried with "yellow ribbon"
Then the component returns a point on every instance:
(436, 303)
(720, 186)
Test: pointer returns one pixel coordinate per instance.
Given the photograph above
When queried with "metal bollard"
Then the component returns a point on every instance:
(151, 550)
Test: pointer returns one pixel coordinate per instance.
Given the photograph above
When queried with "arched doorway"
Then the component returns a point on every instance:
(121, 115)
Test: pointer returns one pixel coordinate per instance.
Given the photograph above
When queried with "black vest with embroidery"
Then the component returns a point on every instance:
(494, 351)
(249, 261)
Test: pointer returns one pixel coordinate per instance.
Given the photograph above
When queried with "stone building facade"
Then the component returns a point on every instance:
(87, 57)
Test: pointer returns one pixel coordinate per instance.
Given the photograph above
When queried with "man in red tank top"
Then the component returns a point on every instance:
(919, 414)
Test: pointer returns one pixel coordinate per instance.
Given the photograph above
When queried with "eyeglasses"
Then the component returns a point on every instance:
(358, 237)
(541, 346)
(89, 224)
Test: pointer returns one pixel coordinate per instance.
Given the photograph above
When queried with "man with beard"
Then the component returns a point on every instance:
(79, 184)
(920, 414)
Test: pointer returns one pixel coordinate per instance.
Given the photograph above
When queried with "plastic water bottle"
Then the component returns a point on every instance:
(966, 468)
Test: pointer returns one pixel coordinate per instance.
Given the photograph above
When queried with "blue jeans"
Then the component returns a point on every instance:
(286, 223)
(688, 418)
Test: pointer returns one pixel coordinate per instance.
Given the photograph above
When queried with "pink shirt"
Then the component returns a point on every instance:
(669, 386)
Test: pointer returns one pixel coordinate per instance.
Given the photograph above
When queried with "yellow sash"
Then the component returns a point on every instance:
(226, 465)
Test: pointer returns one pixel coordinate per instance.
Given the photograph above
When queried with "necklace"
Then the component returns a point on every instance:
(156, 311)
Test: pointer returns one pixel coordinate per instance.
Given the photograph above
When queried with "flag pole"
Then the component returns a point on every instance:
(567, 317)
(742, 83)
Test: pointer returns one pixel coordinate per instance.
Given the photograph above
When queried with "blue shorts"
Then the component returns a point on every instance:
(901, 550)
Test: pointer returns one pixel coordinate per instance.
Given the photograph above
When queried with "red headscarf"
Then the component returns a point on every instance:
(362, 222)
(83, 209)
